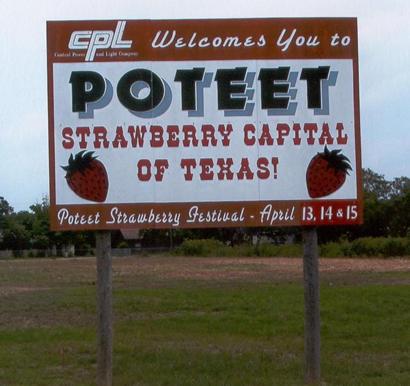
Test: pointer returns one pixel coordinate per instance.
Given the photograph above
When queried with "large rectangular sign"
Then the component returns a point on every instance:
(203, 123)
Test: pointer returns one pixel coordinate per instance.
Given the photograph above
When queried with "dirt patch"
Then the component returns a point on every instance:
(17, 276)
(11, 290)
(364, 265)
(234, 268)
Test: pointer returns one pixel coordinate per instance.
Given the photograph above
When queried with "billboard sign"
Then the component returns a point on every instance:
(203, 123)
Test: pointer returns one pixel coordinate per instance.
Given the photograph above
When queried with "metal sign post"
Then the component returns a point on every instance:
(312, 305)
(104, 308)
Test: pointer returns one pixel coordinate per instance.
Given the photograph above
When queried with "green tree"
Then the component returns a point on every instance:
(376, 185)
(15, 234)
(386, 205)
(400, 186)
(42, 237)
(5, 211)
(400, 215)
(5, 208)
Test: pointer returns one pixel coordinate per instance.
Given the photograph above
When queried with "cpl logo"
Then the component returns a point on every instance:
(96, 40)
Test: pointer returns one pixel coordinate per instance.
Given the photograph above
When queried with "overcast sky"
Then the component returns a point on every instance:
(384, 63)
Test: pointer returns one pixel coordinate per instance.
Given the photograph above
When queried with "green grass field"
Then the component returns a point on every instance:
(193, 329)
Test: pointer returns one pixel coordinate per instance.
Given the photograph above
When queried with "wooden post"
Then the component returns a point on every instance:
(104, 308)
(312, 305)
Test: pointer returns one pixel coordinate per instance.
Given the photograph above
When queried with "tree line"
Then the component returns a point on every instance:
(386, 214)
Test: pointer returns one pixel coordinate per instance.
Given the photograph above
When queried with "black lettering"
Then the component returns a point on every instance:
(269, 87)
(130, 101)
(313, 76)
(86, 86)
(188, 79)
(226, 88)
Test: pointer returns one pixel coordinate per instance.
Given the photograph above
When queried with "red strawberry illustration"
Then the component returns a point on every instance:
(326, 173)
(87, 177)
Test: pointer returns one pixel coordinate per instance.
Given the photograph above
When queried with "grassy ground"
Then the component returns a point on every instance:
(181, 321)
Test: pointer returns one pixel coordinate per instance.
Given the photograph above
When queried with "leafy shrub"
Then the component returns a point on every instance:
(211, 247)
(284, 250)
(396, 246)
(368, 247)
(332, 249)
(362, 247)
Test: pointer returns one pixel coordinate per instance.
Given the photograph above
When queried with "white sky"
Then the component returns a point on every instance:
(384, 63)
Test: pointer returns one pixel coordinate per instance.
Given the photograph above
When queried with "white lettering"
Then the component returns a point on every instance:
(96, 40)
(285, 40)
(159, 42)
(118, 217)
(215, 216)
(165, 39)
(270, 215)
(64, 217)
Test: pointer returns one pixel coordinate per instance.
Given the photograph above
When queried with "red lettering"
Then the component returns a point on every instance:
(249, 131)
(245, 171)
(283, 131)
(68, 142)
(275, 162)
(206, 169)
(225, 131)
(188, 164)
(208, 134)
(265, 138)
(310, 128)
(82, 132)
(137, 135)
(144, 170)
(173, 140)
(296, 128)
(157, 136)
(326, 137)
(161, 165)
(341, 139)
(119, 139)
(263, 168)
(100, 135)
(189, 135)
(225, 168)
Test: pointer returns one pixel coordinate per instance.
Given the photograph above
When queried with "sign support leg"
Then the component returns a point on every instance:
(312, 305)
(104, 308)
